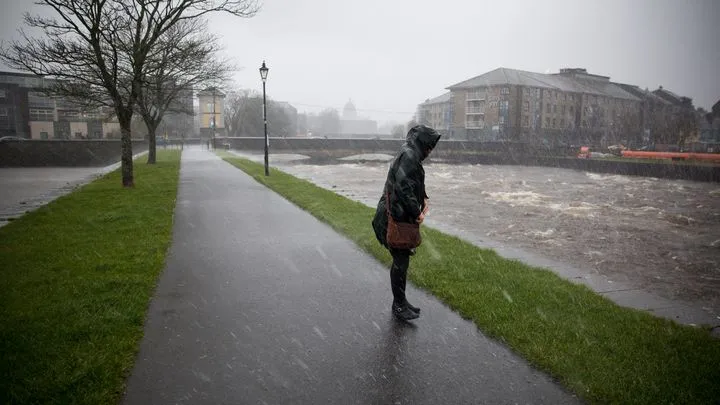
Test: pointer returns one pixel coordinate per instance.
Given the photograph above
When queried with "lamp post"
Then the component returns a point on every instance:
(263, 74)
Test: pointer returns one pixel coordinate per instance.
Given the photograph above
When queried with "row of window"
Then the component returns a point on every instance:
(37, 114)
(549, 122)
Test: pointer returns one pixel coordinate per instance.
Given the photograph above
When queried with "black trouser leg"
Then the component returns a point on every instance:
(398, 275)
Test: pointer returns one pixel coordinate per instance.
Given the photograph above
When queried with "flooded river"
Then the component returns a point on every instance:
(662, 236)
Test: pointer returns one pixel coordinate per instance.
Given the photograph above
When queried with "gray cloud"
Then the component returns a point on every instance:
(390, 55)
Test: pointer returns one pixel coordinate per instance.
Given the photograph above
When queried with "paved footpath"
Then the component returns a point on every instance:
(261, 303)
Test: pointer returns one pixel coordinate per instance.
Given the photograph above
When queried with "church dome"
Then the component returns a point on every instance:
(349, 112)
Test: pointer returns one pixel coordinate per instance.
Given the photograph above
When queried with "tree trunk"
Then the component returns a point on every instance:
(126, 162)
(152, 149)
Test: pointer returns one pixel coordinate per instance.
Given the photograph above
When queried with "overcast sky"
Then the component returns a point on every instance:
(390, 55)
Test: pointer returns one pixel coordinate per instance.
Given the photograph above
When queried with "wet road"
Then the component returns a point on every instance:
(261, 303)
(649, 240)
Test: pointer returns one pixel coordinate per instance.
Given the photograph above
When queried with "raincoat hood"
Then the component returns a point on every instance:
(423, 138)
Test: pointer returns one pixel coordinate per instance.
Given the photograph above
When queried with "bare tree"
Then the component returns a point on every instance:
(184, 58)
(243, 115)
(99, 49)
(626, 128)
(328, 122)
(684, 123)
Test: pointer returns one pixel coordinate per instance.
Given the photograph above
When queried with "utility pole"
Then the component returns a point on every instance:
(212, 140)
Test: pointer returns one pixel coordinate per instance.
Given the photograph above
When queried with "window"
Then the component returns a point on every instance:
(43, 135)
(563, 109)
(526, 121)
(40, 100)
(37, 114)
(505, 90)
(554, 123)
(548, 108)
(3, 94)
(526, 106)
(78, 135)
(547, 122)
(562, 123)
(502, 120)
(68, 115)
(554, 108)
(3, 112)
(572, 110)
(209, 107)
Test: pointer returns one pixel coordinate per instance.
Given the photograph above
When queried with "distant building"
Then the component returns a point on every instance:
(351, 124)
(437, 113)
(565, 108)
(212, 112)
(710, 127)
(27, 110)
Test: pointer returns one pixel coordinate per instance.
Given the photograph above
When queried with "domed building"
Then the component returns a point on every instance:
(349, 112)
(351, 124)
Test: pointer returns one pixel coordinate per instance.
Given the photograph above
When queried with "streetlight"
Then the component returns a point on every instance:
(263, 74)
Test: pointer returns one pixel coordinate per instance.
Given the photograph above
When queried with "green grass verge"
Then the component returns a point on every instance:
(602, 352)
(76, 277)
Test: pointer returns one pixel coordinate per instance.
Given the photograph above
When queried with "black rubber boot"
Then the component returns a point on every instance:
(412, 307)
(404, 313)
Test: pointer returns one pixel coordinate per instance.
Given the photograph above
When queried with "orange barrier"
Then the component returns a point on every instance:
(671, 155)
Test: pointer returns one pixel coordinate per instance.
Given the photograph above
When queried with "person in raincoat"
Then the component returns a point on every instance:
(405, 186)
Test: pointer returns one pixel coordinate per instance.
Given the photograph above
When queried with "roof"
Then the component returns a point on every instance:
(439, 99)
(211, 91)
(572, 81)
(6, 73)
(640, 93)
(670, 96)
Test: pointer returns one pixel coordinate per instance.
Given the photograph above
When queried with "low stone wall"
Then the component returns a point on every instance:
(677, 171)
(298, 145)
(64, 153)
(326, 151)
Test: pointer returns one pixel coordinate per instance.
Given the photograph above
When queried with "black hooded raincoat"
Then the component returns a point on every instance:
(405, 182)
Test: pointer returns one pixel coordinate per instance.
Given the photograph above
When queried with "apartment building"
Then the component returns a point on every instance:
(212, 112)
(437, 113)
(27, 110)
(568, 107)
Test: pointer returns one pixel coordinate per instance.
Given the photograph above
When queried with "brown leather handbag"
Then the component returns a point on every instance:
(401, 235)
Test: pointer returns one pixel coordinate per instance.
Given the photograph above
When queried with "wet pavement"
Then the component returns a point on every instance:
(646, 243)
(262, 303)
(24, 189)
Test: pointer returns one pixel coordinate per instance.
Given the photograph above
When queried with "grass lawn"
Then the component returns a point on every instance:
(602, 352)
(77, 276)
